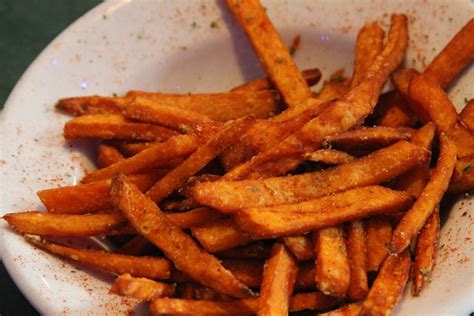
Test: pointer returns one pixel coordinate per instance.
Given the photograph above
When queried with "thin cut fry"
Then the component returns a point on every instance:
(426, 250)
(113, 126)
(150, 222)
(89, 105)
(279, 276)
(415, 218)
(48, 224)
(381, 166)
(133, 148)
(301, 246)
(108, 155)
(141, 288)
(271, 51)
(388, 286)
(357, 254)
(291, 219)
(153, 157)
(379, 233)
(147, 267)
(332, 265)
(255, 250)
(197, 217)
(311, 76)
(329, 157)
(467, 115)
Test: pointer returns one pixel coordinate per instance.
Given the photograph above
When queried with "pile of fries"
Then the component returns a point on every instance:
(270, 198)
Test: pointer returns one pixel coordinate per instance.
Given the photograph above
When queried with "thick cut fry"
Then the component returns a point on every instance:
(291, 219)
(467, 115)
(90, 197)
(143, 110)
(415, 218)
(357, 254)
(378, 167)
(198, 216)
(311, 76)
(379, 233)
(332, 265)
(220, 235)
(301, 246)
(298, 302)
(426, 250)
(147, 267)
(329, 157)
(153, 157)
(141, 288)
(454, 57)
(463, 177)
(256, 250)
(47, 224)
(279, 276)
(368, 45)
(150, 222)
(108, 155)
(113, 126)
(388, 286)
(271, 51)
(199, 159)
(341, 115)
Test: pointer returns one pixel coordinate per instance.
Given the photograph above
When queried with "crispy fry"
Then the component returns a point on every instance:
(388, 286)
(179, 206)
(357, 254)
(329, 157)
(48, 224)
(141, 288)
(199, 159)
(346, 310)
(255, 250)
(108, 155)
(148, 267)
(381, 166)
(393, 110)
(271, 51)
(426, 250)
(113, 126)
(291, 219)
(90, 197)
(467, 115)
(311, 76)
(379, 233)
(153, 157)
(150, 222)
(220, 235)
(301, 246)
(368, 45)
(133, 148)
(463, 176)
(78, 106)
(415, 218)
(198, 216)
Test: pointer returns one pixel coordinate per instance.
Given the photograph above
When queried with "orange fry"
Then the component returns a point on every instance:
(463, 176)
(357, 254)
(393, 110)
(89, 105)
(415, 218)
(108, 155)
(379, 233)
(467, 115)
(255, 250)
(279, 276)
(150, 222)
(141, 288)
(198, 216)
(148, 267)
(133, 148)
(301, 246)
(329, 157)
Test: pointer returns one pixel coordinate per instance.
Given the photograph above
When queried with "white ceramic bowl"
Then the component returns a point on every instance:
(153, 45)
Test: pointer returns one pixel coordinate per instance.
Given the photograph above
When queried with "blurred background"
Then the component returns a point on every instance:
(26, 27)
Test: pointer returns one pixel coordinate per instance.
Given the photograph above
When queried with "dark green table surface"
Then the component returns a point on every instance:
(26, 27)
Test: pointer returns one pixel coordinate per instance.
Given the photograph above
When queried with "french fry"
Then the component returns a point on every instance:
(301, 246)
(179, 206)
(332, 265)
(463, 176)
(133, 148)
(329, 157)
(220, 235)
(346, 310)
(90, 105)
(279, 276)
(90, 197)
(467, 115)
(378, 167)
(388, 286)
(198, 216)
(48, 224)
(113, 126)
(147, 267)
(311, 76)
(271, 51)
(393, 110)
(153, 157)
(107, 155)
(415, 218)
(426, 250)
(379, 233)
(291, 219)
(255, 250)
(141, 288)
(357, 254)
(150, 222)
(135, 246)
(199, 159)
(368, 45)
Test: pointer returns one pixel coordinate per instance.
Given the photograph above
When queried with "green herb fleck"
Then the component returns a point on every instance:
(140, 36)
(467, 168)
(466, 100)
(183, 48)
(237, 2)
(145, 229)
(68, 174)
(114, 94)
(338, 79)
(84, 107)
(183, 128)
(194, 25)
(450, 19)
(425, 272)
(255, 188)
(104, 17)
(292, 51)
(214, 25)
(342, 248)
(281, 60)
(249, 18)
(73, 271)
(35, 139)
